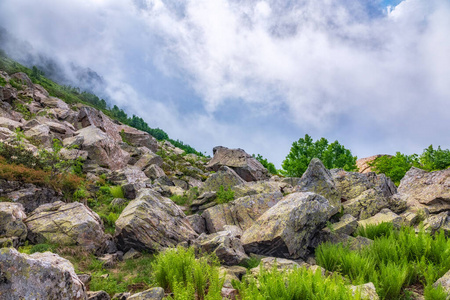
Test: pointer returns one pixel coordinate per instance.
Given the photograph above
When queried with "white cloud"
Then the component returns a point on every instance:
(335, 68)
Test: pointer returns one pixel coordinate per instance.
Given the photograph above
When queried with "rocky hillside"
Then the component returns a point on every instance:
(131, 197)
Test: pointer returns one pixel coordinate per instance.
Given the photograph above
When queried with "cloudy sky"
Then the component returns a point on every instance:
(258, 75)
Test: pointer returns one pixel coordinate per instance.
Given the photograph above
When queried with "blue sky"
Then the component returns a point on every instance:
(259, 75)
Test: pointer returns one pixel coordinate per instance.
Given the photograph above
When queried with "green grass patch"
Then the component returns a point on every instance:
(297, 284)
(395, 260)
(178, 271)
(370, 231)
(224, 195)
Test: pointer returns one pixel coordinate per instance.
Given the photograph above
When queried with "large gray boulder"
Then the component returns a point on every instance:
(225, 177)
(102, 148)
(11, 224)
(89, 116)
(288, 228)
(318, 179)
(152, 222)
(422, 189)
(38, 276)
(364, 195)
(242, 212)
(29, 195)
(227, 247)
(66, 224)
(246, 166)
(138, 138)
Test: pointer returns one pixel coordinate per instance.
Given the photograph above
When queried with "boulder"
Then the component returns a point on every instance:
(367, 291)
(9, 124)
(99, 295)
(11, 224)
(89, 116)
(38, 276)
(40, 134)
(385, 215)
(23, 79)
(128, 174)
(346, 225)
(56, 107)
(242, 212)
(318, 179)
(288, 228)
(148, 159)
(225, 177)
(40, 93)
(66, 224)
(363, 164)
(444, 281)
(155, 293)
(154, 172)
(101, 147)
(197, 223)
(435, 222)
(366, 205)
(258, 187)
(246, 166)
(281, 264)
(138, 138)
(422, 189)
(225, 245)
(152, 222)
(30, 196)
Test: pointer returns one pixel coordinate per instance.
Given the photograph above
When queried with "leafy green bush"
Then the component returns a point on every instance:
(2, 81)
(117, 191)
(394, 167)
(224, 195)
(332, 155)
(435, 159)
(177, 270)
(392, 261)
(297, 284)
(266, 164)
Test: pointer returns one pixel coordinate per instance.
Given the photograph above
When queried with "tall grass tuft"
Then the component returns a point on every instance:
(375, 231)
(297, 284)
(396, 259)
(177, 270)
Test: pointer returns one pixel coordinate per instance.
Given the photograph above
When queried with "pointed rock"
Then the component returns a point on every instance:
(318, 179)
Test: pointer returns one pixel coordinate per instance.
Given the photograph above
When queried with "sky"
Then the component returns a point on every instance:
(259, 75)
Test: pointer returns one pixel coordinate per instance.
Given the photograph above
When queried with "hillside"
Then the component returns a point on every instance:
(97, 205)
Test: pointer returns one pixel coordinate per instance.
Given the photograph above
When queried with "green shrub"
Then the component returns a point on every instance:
(177, 270)
(332, 155)
(266, 164)
(394, 167)
(224, 195)
(297, 284)
(2, 81)
(371, 231)
(431, 293)
(393, 261)
(435, 159)
(117, 192)
(43, 248)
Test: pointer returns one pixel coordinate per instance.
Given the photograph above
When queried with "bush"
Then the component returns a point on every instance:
(297, 284)
(375, 231)
(268, 165)
(394, 167)
(332, 155)
(224, 195)
(178, 271)
(432, 160)
(392, 262)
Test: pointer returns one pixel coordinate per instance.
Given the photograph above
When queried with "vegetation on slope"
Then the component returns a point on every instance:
(332, 155)
(73, 95)
(397, 259)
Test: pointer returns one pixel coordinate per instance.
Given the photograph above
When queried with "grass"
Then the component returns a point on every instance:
(395, 260)
(102, 205)
(178, 271)
(372, 231)
(297, 284)
(224, 195)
